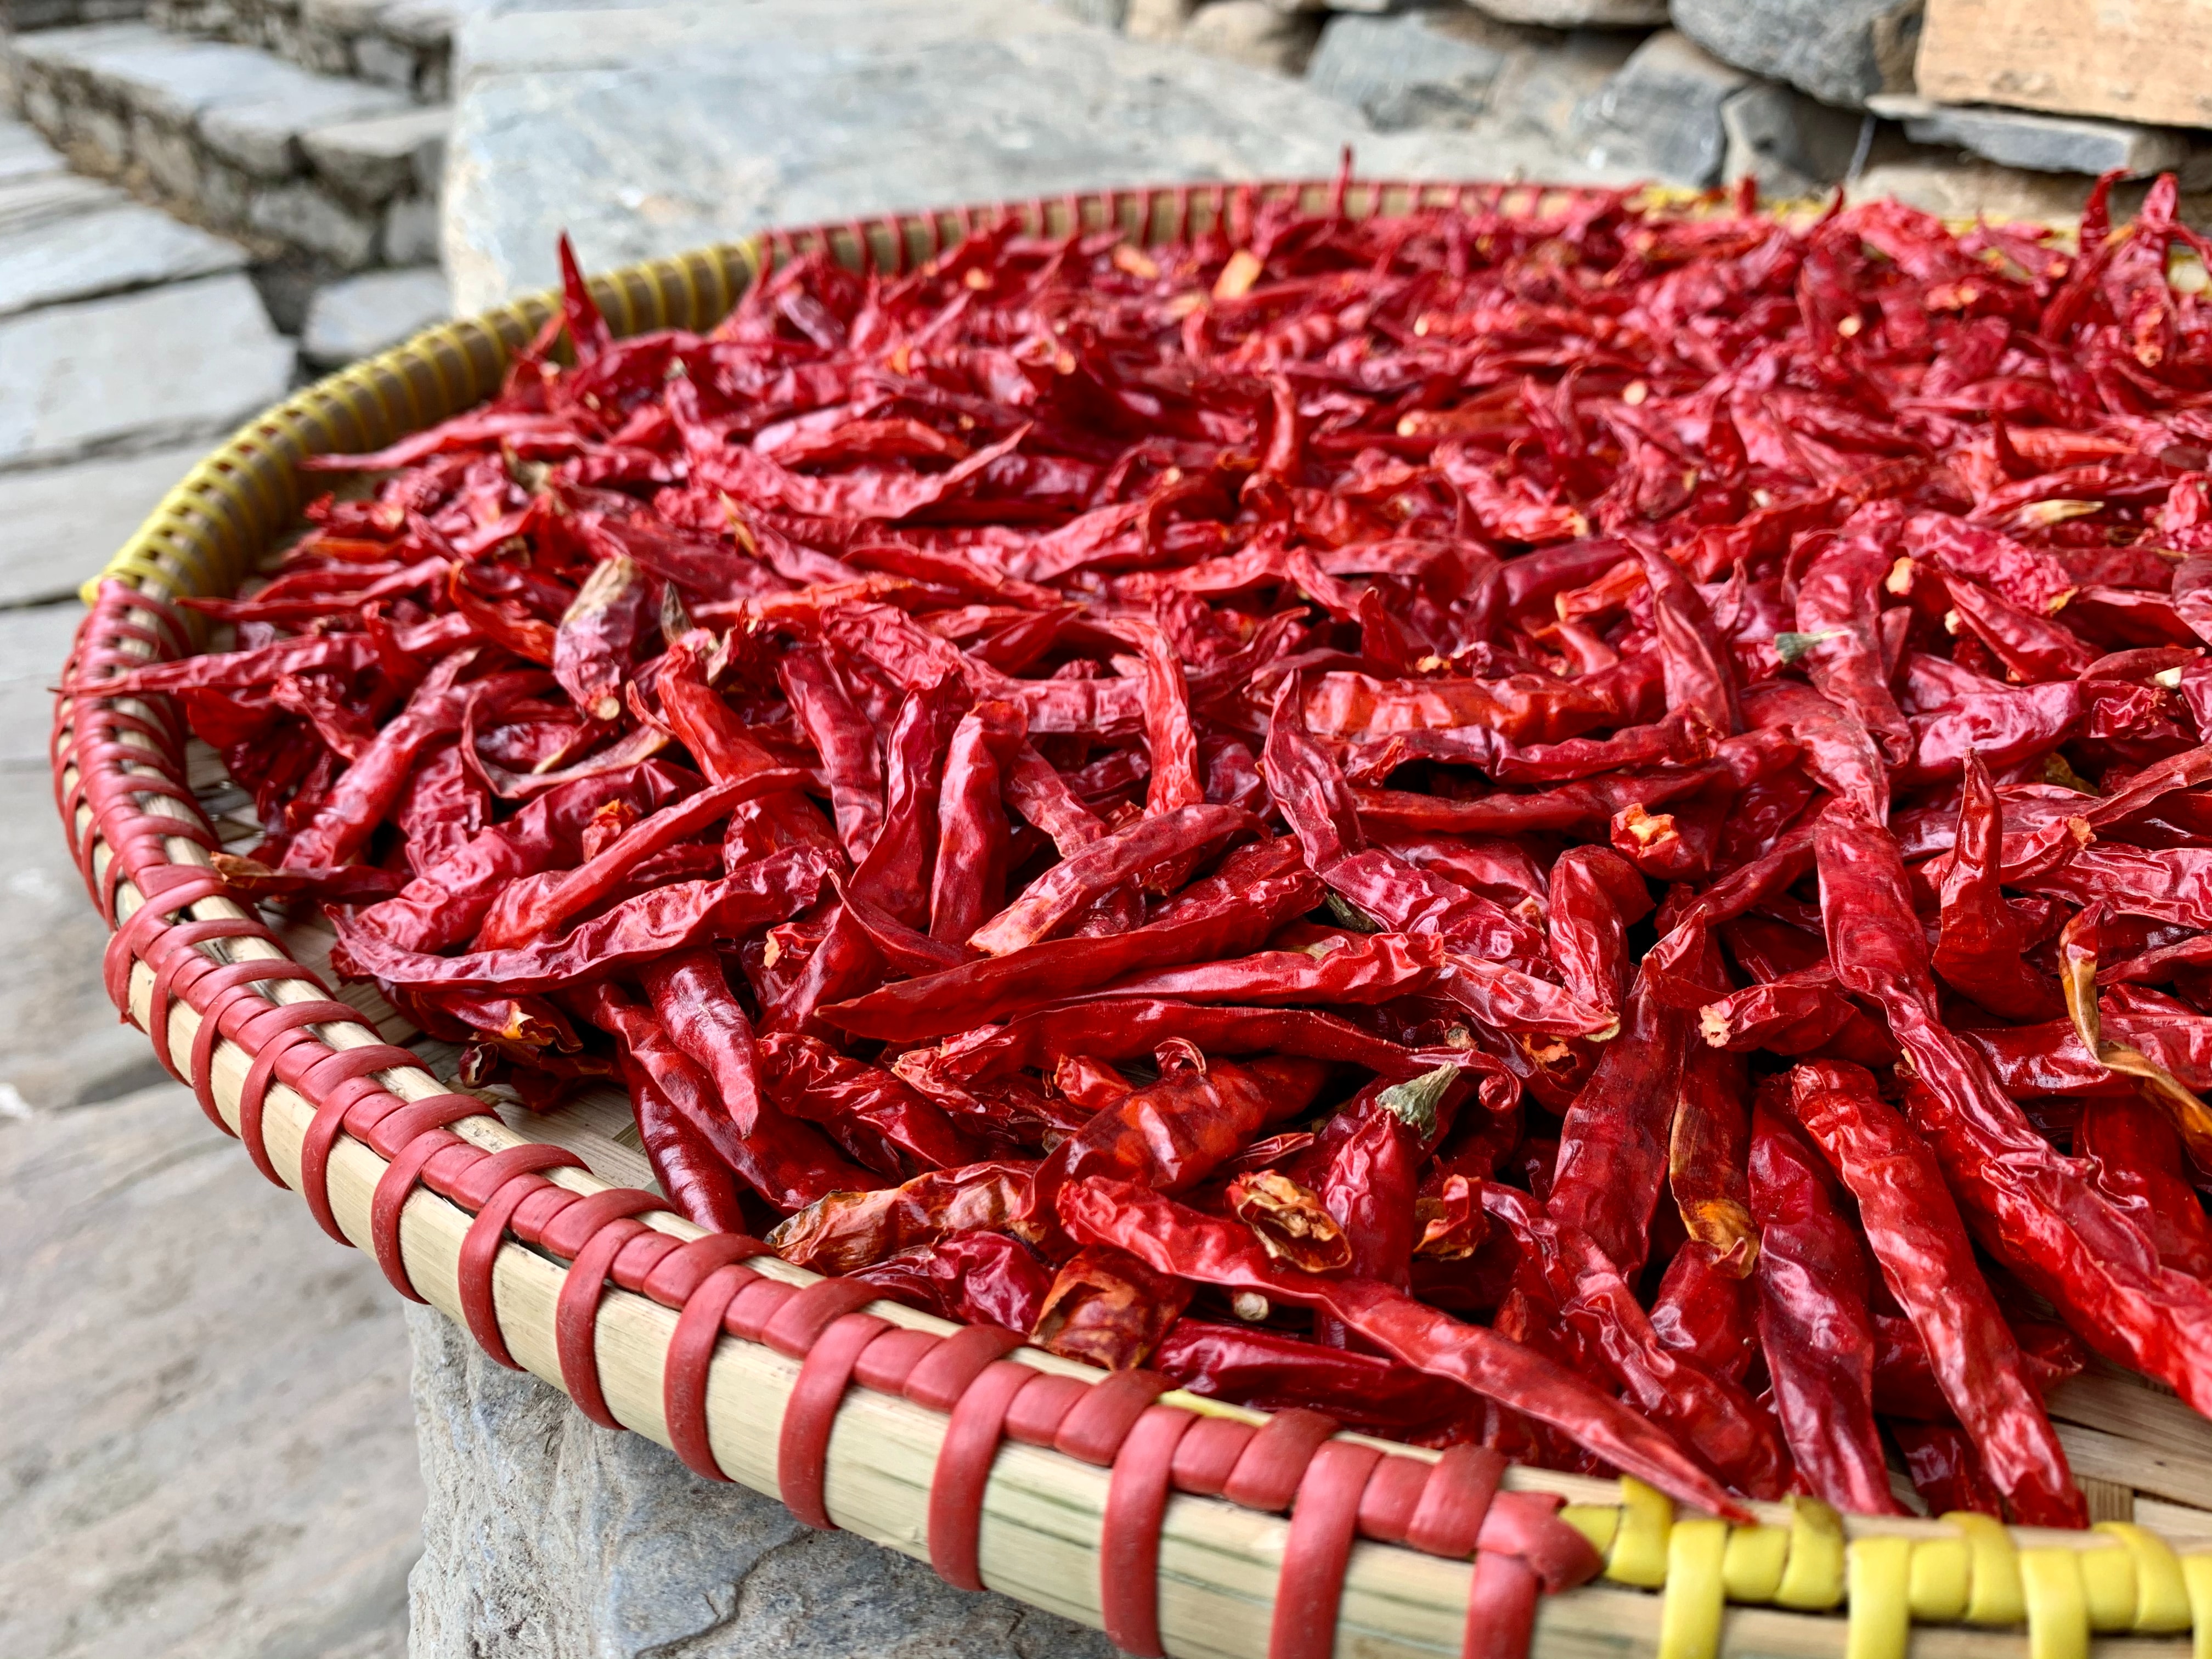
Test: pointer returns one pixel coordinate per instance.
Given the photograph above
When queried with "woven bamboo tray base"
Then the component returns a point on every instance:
(332, 1104)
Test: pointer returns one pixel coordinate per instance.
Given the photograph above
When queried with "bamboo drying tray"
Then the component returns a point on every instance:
(143, 809)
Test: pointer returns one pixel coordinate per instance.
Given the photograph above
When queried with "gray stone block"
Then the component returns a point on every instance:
(410, 236)
(140, 370)
(1548, 91)
(1253, 32)
(209, 1449)
(24, 154)
(298, 213)
(1417, 69)
(544, 1535)
(1842, 52)
(58, 524)
(383, 62)
(1792, 145)
(374, 159)
(369, 313)
(37, 198)
(1578, 14)
(1107, 14)
(2046, 144)
(261, 134)
(1662, 113)
(106, 252)
(1017, 99)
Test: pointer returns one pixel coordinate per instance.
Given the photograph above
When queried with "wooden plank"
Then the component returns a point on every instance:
(2135, 60)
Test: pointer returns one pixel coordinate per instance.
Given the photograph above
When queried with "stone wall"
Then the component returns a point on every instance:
(1797, 94)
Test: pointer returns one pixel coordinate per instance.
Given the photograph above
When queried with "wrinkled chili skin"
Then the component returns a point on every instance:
(1913, 1226)
(1815, 1327)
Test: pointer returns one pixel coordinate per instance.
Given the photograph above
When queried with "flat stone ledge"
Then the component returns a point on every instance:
(546, 1535)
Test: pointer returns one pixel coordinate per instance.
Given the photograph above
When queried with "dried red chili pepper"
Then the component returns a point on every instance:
(1815, 1327)
(1913, 1227)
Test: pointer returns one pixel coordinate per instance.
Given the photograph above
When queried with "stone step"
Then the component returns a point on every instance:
(341, 171)
(190, 360)
(402, 44)
(373, 311)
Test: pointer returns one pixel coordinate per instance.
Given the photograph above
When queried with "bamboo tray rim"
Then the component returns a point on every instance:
(143, 844)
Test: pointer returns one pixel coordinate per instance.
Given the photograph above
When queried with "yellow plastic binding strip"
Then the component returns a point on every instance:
(2196, 1576)
(1690, 1611)
(1995, 1596)
(1639, 1548)
(1880, 1625)
(1813, 1582)
(1751, 1569)
(2057, 1611)
(1942, 1570)
(2161, 1597)
(2108, 1587)
(1599, 1522)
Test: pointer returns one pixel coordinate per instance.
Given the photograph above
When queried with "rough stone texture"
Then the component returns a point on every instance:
(19, 15)
(207, 1445)
(379, 158)
(1952, 190)
(544, 1535)
(219, 131)
(58, 524)
(1662, 113)
(410, 235)
(264, 136)
(1578, 14)
(137, 371)
(1253, 32)
(621, 134)
(1157, 20)
(30, 199)
(2143, 61)
(366, 314)
(2046, 144)
(104, 251)
(1840, 50)
(1793, 145)
(1107, 14)
(399, 44)
(1431, 68)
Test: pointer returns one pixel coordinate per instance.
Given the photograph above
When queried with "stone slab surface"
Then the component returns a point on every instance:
(24, 154)
(59, 525)
(1840, 50)
(1662, 113)
(122, 247)
(619, 129)
(368, 313)
(138, 371)
(31, 199)
(2050, 143)
(208, 1452)
(544, 1536)
(2143, 61)
(376, 157)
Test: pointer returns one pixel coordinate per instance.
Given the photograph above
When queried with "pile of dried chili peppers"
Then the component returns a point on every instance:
(1584, 828)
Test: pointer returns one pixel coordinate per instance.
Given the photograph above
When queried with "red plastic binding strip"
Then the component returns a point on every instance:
(515, 1173)
(797, 1325)
(1501, 1608)
(215, 993)
(1527, 1524)
(945, 1373)
(963, 1468)
(1129, 1542)
(676, 1275)
(1268, 1475)
(1102, 1420)
(1394, 1492)
(684, 1375)
(890, 1359)
(396, 1184)
(756, 1305)
(802, 1450)
(1448, 1521)
(1209, 1454)
(1312, 1581)
(1043, 1406)
(603, 1219)
(271, 1038)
